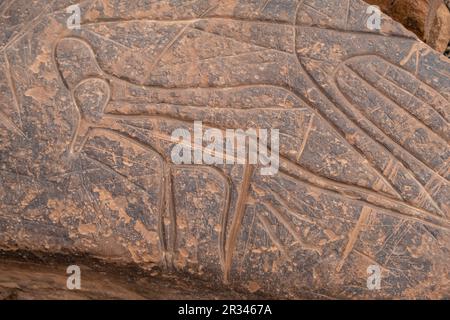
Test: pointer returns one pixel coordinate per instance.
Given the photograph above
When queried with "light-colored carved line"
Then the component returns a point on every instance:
(170, 211)
(79, 115)
(317, 11)
(347, 15)
(69, 173)
(443, 110)
(285, 206)
(168, 202)
(305, 137)
(391, 169)
(237, 219)
(438, 71)
(371, 260)
(28, 27)
(273, 237)
(390, 140)
(186, 119)
(395, 153)
(98, 210)
(245, 251)
(444, 168)
(297, 11)
(403, 233)
(224, 222)
(222, 56)
(284, 27)
(429, 232)
(386, 97)
(4, 119)
(13, 89)
(226, 208)
(150, 112)
(259, 46)
(424, 84)
(412, 95)
(337, 129)
(411, 52)
(168, 138)
(378, 194)
(114, 172)
(375, 200)
(127, 82)
(96, 34)
(124, 158)
(161, 226)
(212, 18)
(353, 236)
(391, 235)
(209, 10)
(295, 210)
(161, 230)
(263, 7)
(169, 89)
(5, 6)
(367, 34)
(167, 48)
(288, 225)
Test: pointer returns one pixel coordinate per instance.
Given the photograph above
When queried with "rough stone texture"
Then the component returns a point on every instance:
(86, 119)
(25, 276)
(429, 19)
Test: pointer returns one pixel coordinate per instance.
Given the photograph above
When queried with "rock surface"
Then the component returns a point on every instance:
(429, 19)
(86, 117)
(25, 276)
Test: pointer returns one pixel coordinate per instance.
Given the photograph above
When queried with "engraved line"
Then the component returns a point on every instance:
(353, 236)
(13, 88)
(305, 137)
(271, 233)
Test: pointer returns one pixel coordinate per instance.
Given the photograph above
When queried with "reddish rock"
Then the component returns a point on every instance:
(429, 19)
(86, 165)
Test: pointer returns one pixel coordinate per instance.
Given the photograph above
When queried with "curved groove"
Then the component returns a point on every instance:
(385, 144)
(4, 119)
(281, 217)
(373, 199)
(396, 153)
(329, 99)
(129, 82)
(384, 96)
